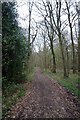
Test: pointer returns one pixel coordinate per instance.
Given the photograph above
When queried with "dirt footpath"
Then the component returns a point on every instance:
(46, 99)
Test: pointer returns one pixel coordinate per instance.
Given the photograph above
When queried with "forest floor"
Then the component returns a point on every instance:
(45, 99)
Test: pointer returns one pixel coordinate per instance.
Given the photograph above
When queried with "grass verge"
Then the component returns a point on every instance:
(70, 83)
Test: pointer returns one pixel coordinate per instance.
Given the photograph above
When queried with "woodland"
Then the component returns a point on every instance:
(49, 41)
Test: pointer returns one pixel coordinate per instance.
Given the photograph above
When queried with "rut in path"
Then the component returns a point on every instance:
(46, 99)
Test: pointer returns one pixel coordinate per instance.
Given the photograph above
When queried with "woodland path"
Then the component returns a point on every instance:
(46, 99)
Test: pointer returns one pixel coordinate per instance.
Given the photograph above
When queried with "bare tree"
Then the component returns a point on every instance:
(58, 9)
(50, 31)
(78, 12)
(58, 28)
(29, 29)
(55, 24)
(50, 35)
(44, 49)
(55, 27)
(71, 32)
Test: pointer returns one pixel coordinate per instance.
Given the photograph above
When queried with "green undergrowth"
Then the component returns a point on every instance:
(13, 92)
(0, 97)
(30, 76)
(0, 104)
(10, 95)
(72, 83)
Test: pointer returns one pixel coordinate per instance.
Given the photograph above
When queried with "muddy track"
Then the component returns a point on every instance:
(46, 99)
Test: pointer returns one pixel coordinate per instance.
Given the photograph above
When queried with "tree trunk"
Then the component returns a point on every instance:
(79, 42)
(79, 54)
(53, 55)
(66, 55)
(63, 57)
(67, 61)
(50, 35)
(29, 31)
(44, 51)
(73, 49)
(78, 12)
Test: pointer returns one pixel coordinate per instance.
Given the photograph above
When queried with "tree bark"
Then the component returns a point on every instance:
(79, 48)
(67, 61)
(29, 31)
(44, 52)
(63, 56)
(53, 55)
(66, 54)
(73, 49)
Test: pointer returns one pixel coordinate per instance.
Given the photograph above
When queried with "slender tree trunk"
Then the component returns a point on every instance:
(51, 46)
(66, 55)
(73, 48)
(50, 35)
(29, 31)
(58, 14)
(67, 61)
(79, 42)
(44, 52)
(63, 56)
(79, 49)
(53, 55)
(78, 12)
